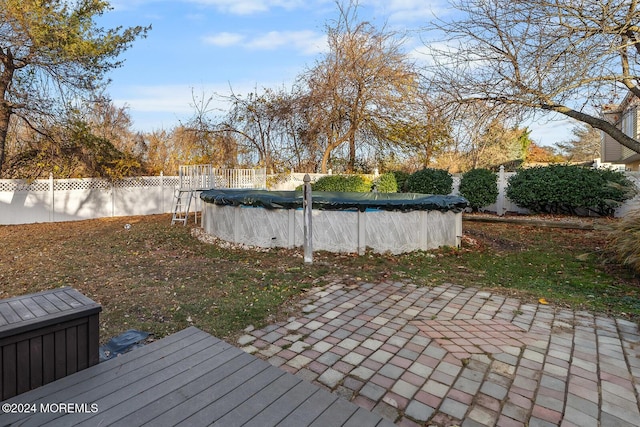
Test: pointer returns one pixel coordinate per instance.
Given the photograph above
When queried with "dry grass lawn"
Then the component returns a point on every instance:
(160, 278)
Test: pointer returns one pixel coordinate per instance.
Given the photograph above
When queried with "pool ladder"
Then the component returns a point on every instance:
(182, 206)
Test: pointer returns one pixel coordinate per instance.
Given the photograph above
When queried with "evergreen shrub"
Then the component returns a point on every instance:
(479, 187)
(401, 180)
(386, 183)
(350, 183)
(430, 181)
(567, 189)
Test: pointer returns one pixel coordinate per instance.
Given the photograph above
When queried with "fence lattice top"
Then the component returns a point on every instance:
(86, 183)
(206, 177)
(192, 177)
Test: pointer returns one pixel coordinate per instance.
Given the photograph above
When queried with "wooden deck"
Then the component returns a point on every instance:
(189, 379)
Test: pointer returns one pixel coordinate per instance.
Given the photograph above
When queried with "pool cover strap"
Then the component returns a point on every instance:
(326, 200)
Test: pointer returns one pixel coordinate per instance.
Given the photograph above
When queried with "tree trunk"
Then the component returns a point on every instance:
(352, 155)
(6, 108)
(325, 157)
(332, 146)
(5, 116)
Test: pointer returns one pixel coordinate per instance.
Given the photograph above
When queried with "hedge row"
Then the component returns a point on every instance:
(557, 189)
(426, 181)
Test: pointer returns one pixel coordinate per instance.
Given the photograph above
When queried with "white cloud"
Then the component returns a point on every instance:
(164, 106)
(161, 98)
(247, 7)
(404, 11)
(427, 53)
(235, 7)
(306, 42)
(224, 39)
(196, 17)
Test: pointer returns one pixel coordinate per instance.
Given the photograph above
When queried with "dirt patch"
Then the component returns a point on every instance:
(475, 235)
(543, 220)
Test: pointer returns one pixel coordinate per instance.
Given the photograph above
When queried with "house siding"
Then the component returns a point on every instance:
(626, 118)
(610, 149)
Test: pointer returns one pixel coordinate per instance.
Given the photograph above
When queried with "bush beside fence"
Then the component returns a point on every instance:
(502, 205)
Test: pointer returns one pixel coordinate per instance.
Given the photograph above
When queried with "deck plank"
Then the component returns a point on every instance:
(57, 302)
(33, 306)
(311, 409)
(68, 299)
(123, 365)
(45, 304)
(81, 298)
(222, 397)
(190, 378)
(284, 405)
(335, 415)
(234, 398)
(74, 386)
(161, 403)
(362, 417)
(111, 393)
(263, 398)
(8, 313)
(166, 367)
(133, 399)
(21, 310)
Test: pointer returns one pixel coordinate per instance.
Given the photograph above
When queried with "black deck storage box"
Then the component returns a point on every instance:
(46, 336)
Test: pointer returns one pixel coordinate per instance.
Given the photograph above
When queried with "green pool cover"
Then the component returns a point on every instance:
(325, 200)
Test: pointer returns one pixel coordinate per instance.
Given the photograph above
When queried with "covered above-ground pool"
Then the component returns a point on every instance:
(342, 222)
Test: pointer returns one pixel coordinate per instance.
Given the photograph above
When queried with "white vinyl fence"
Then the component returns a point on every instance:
(632, 204)
(53, 200)
(204, 177)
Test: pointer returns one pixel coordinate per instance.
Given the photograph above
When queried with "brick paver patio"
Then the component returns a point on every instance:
(451, 355)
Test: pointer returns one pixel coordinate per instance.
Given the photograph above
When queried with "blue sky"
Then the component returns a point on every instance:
(201, 47)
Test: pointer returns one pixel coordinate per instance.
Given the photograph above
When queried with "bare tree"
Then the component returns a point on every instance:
(483, 138)
(561, 56)
(160, 154)
(260, 122)
(419, 130)
(113, 124)
(360, 90)
(584, 146)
